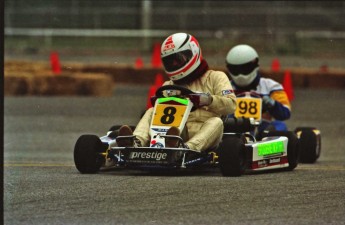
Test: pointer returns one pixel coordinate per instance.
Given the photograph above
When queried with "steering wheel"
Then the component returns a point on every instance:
(184, 91)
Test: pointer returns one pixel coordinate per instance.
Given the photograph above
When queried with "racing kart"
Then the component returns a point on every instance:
(237, 153)
(249, 108)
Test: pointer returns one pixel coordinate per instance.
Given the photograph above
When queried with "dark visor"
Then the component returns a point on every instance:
(176, 61)
(244, 69)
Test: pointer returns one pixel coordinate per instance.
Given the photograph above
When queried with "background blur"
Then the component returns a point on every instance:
(300, 33)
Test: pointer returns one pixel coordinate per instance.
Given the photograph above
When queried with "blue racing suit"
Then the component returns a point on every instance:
(273, 115)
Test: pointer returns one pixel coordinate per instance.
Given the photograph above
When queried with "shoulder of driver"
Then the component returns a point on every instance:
(168, 82)
(219, 82)
(224, 99)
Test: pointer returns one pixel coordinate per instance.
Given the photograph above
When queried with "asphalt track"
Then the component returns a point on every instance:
(42, 186)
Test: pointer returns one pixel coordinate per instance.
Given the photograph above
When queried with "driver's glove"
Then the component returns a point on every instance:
(267, 102)
(201, 99)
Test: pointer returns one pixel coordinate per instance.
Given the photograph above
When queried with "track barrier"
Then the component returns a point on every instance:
(31, 78)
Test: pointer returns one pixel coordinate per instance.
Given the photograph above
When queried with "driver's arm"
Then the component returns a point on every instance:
(224, 99)
(281, 109)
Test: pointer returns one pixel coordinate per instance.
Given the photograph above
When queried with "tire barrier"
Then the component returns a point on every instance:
(27, 78)
(301, 77)
(64, 84)
(36, 78)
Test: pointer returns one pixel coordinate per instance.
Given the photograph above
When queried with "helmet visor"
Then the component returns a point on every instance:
(177, 60)
(244, 69)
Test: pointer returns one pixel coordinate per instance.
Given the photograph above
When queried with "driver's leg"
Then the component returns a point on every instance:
(142, 130)
(206, 135)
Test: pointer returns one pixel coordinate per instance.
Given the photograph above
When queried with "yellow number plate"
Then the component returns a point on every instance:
(168, 115)
(248, 108)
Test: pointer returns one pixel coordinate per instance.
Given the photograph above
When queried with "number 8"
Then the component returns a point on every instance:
(168, 116)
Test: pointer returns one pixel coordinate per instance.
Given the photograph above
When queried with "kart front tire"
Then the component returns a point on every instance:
(292, 148)
(87, 154)
(310, 144)
(232, 158)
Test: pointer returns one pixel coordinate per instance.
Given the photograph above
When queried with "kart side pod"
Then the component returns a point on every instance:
(237, 156)
(270, 153)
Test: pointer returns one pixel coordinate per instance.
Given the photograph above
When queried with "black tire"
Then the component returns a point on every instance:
(310, 144)
(292, 148)
(232, 157)
(87, 157)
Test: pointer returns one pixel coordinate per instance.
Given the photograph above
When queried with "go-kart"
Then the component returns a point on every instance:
(237, 153)
(249, 108)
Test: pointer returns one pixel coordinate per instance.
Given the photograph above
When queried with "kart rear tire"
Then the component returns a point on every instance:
(87, 157)
(292, 148)
(310, 144)
(232, 157)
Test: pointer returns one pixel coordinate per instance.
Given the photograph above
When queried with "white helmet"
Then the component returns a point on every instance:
(242, 62)
(181, 55)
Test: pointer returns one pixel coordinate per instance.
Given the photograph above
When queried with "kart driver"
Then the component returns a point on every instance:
(242, 62)
(185, 66)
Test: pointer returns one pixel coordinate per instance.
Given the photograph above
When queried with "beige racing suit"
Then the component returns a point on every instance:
(205, 127)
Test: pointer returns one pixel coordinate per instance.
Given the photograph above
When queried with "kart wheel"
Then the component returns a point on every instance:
(232, 160)
(292, 148)
(87, 157)
(310, 144)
